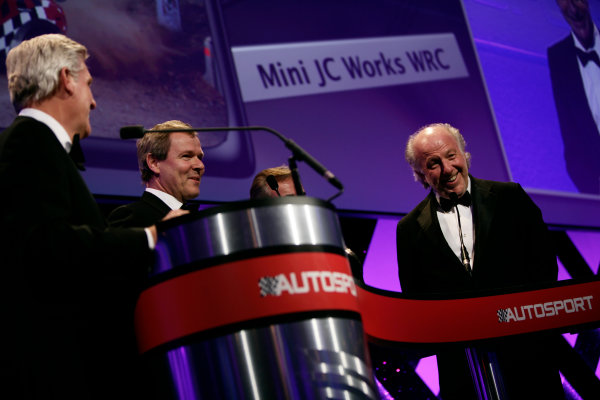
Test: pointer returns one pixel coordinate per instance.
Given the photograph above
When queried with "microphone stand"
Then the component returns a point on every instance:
(298, 153)
(296, 176)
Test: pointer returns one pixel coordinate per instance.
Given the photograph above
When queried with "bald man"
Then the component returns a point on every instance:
(471, 235)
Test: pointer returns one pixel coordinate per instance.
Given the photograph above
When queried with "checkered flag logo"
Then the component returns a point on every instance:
(502, 315)
(14, 18)
(269, 286)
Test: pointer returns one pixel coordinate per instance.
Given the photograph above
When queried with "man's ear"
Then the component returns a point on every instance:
(66, 80)
(153, 163)
(421, 178)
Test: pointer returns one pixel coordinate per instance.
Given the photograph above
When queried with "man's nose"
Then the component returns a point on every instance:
(199, 166)
(446, 166)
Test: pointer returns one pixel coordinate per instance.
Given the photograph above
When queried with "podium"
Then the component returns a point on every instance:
(393, 321)
(254, 299)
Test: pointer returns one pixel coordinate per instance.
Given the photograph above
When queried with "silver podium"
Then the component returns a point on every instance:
(254, 300)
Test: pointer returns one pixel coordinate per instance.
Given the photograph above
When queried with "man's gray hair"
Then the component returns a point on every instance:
(33, 67)
(410, 156)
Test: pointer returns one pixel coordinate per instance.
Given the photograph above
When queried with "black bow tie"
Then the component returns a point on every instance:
(190, 206)
(585, 57)
(77, 154)
(447, 204)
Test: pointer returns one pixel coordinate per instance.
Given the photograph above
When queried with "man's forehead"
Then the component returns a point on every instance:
(434, 131)
(434, 138)
(183, 139)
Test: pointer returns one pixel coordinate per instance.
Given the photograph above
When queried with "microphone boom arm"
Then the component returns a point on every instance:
(138, 131)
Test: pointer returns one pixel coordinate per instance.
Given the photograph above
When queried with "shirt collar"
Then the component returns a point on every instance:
(56, 128)
(166, 198)
(596, 41)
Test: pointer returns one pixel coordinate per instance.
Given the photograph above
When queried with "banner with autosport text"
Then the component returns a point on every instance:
(285, 284)
(245, 290)
(405, 320)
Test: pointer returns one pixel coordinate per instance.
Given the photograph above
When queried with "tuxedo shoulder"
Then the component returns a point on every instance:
(561, 44)
(497, 185)
(127, 208)
(25, 130)
(415, 212)
(500, 190)
(120, 211)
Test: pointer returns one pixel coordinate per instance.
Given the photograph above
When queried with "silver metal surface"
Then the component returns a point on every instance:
(286, 221)
(318, 358)
(294, 357)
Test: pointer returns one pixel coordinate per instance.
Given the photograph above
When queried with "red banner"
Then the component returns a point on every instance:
(445, 321)
(276, 285)
(241, 291)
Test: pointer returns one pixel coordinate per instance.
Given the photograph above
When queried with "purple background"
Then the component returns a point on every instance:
(360, 134)
(145, 74)
(505, 109)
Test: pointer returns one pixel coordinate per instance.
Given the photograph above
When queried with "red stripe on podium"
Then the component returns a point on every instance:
(316, 281)
(446, 321)
(230, 293)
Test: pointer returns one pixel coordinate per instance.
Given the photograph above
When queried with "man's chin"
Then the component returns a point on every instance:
(192, 195)
(459, 190)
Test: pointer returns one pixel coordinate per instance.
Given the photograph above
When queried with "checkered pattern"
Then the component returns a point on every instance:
(268, 286)
(16, 13)
(502, 315)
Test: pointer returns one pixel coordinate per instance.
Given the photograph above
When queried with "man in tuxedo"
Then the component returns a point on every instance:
(171, 167)
(282, 186)
(575, 75)
(469, 236)
(67, 279)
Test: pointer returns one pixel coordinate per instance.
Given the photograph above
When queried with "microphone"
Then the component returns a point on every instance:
(302, 155)
(272, 182)
(138, 131)
(464, 254)
(132, 132)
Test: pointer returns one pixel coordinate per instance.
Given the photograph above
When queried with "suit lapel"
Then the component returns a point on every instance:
(83, 206)
(156, 203)
(484, 204)
(572, 78)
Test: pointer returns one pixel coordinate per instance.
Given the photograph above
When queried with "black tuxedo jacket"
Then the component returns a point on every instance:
(511, 248)
(145, 212)
(580, 134)
(67, 279)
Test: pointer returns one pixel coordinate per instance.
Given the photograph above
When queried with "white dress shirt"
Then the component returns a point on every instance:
(169, 200)
(449, 225)
(56, 128)
(590, 74)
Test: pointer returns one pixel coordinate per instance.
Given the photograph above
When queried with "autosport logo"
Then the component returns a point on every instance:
(307, 282)
(544, 310)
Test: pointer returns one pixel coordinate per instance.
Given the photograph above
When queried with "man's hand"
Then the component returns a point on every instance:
(170, 214)
(174, 214)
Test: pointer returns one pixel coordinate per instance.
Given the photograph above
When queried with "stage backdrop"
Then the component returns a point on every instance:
(348, 81)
